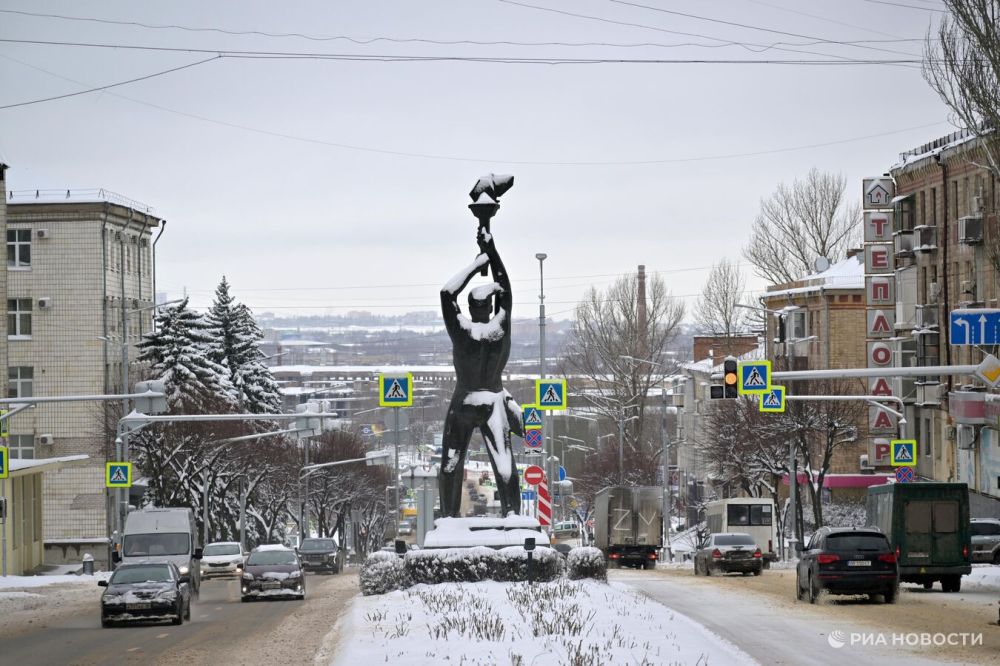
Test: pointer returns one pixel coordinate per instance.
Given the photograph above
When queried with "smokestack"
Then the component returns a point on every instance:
(642, 317)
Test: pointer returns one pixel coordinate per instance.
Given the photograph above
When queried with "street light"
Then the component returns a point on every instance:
(541, 257)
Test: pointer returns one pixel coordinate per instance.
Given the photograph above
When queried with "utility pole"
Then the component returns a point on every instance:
(546, 438)
(665, 441)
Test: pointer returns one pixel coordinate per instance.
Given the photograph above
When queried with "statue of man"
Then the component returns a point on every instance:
(481, 345)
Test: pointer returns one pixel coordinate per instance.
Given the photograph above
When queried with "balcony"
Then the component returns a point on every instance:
(928, 394)
(927, 316)
(925, 239)
(904, 243)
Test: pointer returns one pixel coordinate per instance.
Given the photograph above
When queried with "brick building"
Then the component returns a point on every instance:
(79, 263)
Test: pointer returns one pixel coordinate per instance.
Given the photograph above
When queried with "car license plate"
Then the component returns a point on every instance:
(272, 585)
(859, 563)
(142, 605)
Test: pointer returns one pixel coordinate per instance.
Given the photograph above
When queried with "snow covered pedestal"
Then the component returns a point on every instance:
(489, 532)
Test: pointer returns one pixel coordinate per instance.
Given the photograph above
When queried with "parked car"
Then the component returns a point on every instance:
(405, 528)
(272, 571)
(146, 592)
(985, 540)
(319, 555)
(728, 552)
(847, 560)
(222, 558)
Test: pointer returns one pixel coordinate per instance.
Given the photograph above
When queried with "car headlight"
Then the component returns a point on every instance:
(247, 575)
(295, 574)
(113, 599)
(166, 595)
(185, 570)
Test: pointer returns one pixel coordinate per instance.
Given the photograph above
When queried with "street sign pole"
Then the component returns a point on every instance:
(395, 419)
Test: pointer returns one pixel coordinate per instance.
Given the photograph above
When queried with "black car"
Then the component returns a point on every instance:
(847, 560)
(272, 571)
(146, 592)
(319, 555)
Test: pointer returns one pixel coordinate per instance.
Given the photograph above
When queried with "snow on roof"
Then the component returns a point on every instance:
(303, 343)
(18, 464)
(846, 274)
(92, 195)
(911, 158)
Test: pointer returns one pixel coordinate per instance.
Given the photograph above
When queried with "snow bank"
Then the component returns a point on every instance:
(581, 622)
(23, 582)
(587, 562)
(983, 577)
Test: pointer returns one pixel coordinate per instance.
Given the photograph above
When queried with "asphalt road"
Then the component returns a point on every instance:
(220, 625)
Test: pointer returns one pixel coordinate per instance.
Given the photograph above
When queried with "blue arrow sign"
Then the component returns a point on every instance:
(527, 494)
(975, 326)
(562, 473)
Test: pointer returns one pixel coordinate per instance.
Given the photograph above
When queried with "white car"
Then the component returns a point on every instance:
(222, 558)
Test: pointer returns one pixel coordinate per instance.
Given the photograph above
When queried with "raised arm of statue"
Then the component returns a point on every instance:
(505, 300)
(450, 291)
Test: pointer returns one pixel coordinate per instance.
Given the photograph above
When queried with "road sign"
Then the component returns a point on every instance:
(533, 438)
(531, 416)
(989, 370)
(877, 192)
(118, 475)
(4, 431)
(975, 326)
(755, 377)
(904, 474)
(4, 463)
(773, 400)
(562, 473)
(550, 393)
(903, 452)
(534, 475)
(527, 494)
(395, 390)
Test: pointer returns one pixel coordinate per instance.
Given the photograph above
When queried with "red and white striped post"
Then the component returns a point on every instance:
(544, 504)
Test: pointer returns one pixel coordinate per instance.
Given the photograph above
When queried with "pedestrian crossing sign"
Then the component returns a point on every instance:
(550, 393)
(773, 400)
(118, 475)
(755, 377)
(903, 453)
(395, 390)
(531, 416)
(4, 460)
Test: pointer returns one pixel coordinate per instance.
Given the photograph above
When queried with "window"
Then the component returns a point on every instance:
(19, 382)
(985, 529)
(18, 317)
(19, 248)
(748, 514)
(21, 446)
(798, 321)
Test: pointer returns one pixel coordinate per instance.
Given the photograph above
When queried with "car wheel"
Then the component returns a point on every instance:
(697, 572)
(105, 623)
(708, 569)
(180, 614)
(757, 572)
(952, 584)
(244, 599)
(187, 615)
(811, 593)
(928, 584)
(798, 589)
(891, 595)
(996, 557)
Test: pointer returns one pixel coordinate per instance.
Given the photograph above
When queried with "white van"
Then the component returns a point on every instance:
(750, 515)
(163, 535)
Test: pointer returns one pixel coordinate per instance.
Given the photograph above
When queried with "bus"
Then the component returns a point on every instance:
(750, 515)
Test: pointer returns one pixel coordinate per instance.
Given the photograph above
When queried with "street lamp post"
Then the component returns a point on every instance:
(546, 443)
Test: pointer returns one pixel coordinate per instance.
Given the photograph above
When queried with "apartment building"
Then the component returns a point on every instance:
(80, 284)
(946, 251)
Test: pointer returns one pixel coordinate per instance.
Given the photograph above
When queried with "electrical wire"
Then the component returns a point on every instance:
(899, 4)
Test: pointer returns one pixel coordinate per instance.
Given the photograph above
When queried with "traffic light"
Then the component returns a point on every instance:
(730, 377)
(152, 404)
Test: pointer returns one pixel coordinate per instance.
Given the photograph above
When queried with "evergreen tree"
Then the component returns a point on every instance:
(179, 352)
(236, 348)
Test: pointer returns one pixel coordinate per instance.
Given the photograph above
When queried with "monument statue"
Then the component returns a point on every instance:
(480, 348)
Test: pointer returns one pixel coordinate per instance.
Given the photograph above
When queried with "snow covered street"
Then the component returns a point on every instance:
(761, 616)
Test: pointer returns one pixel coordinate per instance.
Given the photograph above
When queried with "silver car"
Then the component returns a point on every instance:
(728, 552)
(985, 540)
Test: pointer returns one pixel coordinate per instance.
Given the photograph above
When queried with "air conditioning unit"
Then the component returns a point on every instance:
(45, 303)
(927, 316)
(42, 233)
(965, 436)
(970, 229)
(967, 291)
(864, 465)
(46, 440)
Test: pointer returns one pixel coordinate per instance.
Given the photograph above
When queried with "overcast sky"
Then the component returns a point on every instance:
(327, 185)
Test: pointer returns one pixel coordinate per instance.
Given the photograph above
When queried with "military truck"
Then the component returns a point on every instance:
(928, 525)
(628, 525)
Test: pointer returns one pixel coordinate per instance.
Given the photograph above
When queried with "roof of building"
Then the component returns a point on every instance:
(913, 158)
(846, 274)
(80, 195)
(44, 464)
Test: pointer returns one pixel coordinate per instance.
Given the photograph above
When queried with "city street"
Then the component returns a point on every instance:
(221, 630)
(761, 616)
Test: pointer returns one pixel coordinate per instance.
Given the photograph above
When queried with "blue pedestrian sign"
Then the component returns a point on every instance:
(533, 438)
(903, 452)
(527, 495)
(395, 390)
(904, 475)
(531, 416)
(755, 377)
(773, 400)
(975, 326)
(550, 393)
(118, 475)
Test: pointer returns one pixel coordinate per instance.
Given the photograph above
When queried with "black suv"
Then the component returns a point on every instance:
(847, 560)
(319, 555)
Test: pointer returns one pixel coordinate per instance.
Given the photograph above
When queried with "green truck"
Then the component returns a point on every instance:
(928, 525)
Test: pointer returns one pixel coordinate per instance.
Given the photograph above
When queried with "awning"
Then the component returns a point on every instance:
(901, 197)
(23, 467)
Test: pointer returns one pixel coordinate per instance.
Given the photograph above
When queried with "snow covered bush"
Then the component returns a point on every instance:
(512, 564)
(450, 565)
(587, 562)
(383, 572)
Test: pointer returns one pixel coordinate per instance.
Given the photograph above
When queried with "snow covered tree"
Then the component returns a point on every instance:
(236, 348)
(798, 223)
